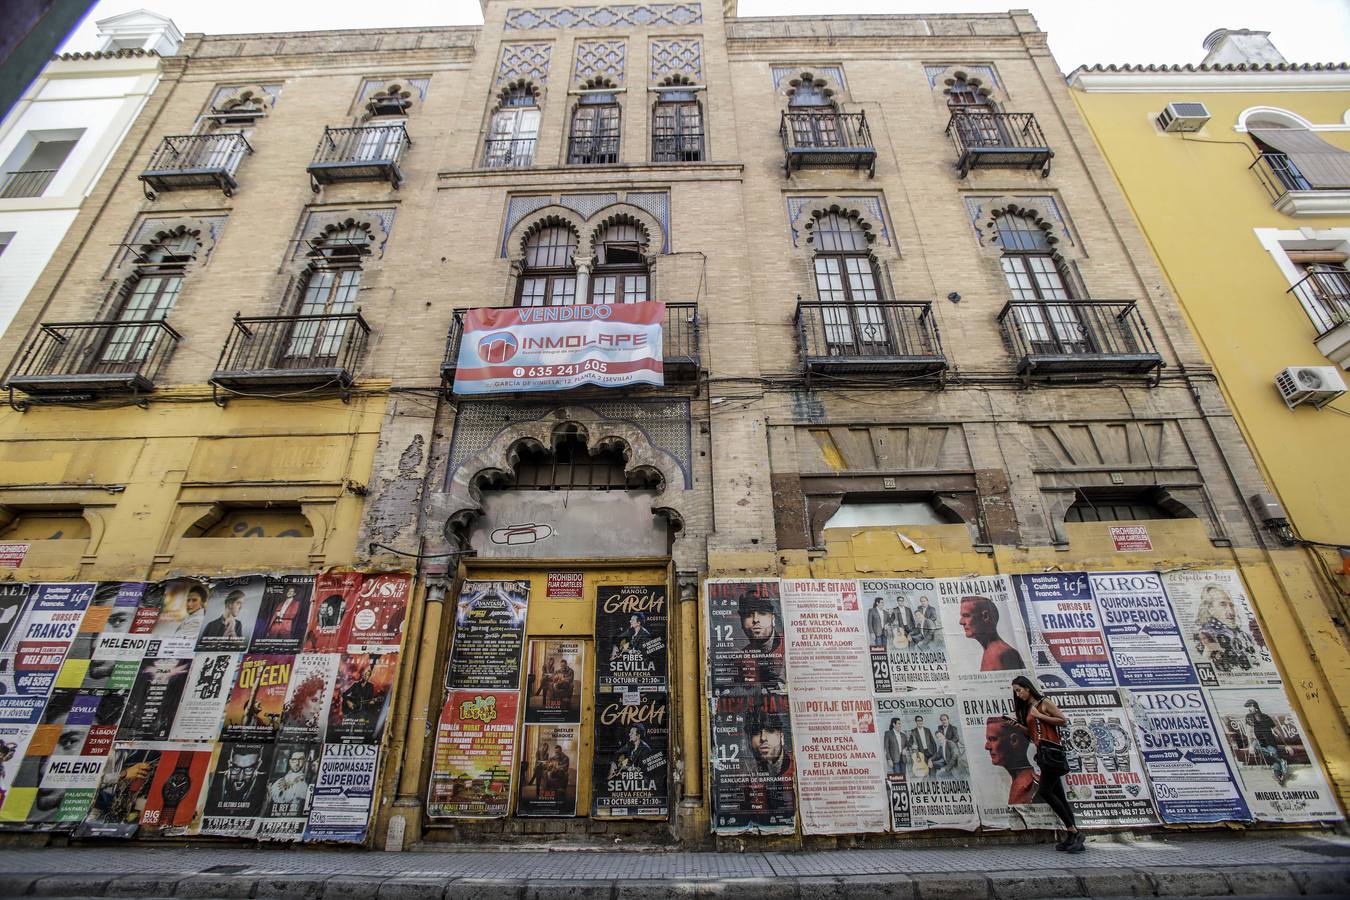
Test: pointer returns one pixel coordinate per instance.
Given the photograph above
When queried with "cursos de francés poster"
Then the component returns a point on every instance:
(1064, 631)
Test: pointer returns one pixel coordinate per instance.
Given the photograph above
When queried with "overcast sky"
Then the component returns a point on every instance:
(1081, 31)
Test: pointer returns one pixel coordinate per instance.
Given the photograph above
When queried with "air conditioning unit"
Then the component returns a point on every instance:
(1183, 117)
(1318, 385)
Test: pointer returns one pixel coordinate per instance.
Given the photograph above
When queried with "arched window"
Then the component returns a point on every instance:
(149, 294)
(620, 274)
(1045, 312)
(846, 277)
(392, 100)
(328, 294)
(514, 129)
(965, 96)
(549, 277)
(973, 113)
(595, 131)
(677, 127)
(813, 116)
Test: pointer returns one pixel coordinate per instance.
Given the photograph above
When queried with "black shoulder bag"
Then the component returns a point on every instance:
(1050, 754)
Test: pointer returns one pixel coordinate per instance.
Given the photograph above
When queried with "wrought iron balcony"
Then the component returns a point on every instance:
(887, 338)
(593, 150)
(300, 352)
(679, 338)
(1324, 294)
(87, 360)
(1278, 175)
(1079, 337)
(32, 183)
(369, 152)
(998, 140)
(827, 139)
(508, 153)
(1296, 194)
(195, 160)
(685, 146)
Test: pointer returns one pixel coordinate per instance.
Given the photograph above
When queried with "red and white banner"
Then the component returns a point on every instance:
(552, 348)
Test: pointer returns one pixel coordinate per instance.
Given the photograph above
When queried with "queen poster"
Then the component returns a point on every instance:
(630, 638)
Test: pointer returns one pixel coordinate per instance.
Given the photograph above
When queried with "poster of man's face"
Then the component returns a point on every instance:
(554, 681)
(981, 620)
(239, 782)
(231, 614)
(294, 770)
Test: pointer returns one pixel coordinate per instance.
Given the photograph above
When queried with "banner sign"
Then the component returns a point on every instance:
(752, 764)
(904, 633)
(1105, 784)
(1185, 762)
(1219, 627)
(554, 348)
(474, 755)
(922, 745)
(489, 635)
(1267, 745)
(630, 776)
(1141, 630)
(549, 760)
(1065, 631)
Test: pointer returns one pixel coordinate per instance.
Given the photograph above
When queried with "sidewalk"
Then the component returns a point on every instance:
(1286, 864)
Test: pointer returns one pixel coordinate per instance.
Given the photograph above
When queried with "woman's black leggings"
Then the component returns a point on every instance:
(1052, 792)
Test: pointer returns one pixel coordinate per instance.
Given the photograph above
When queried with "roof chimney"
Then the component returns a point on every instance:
(1229, 46)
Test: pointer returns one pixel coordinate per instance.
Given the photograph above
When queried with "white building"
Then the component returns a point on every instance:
(56, 141)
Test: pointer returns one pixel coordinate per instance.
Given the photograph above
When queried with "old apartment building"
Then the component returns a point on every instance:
(910, 329)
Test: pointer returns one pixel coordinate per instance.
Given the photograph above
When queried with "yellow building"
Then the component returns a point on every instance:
(1238, 171)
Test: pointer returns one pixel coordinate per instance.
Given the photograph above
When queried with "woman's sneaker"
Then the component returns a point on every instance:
(1067, 842)
(1077, 844)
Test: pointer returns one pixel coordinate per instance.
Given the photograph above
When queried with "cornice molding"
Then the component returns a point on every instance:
(1213, 82)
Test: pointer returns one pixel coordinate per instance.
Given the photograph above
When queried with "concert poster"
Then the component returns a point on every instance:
(65, 790)
(488, 636)
(360, 703)
(1004, 776)
(631, 763)
(745, 636)
(474, 755)
(122, 793)
(78, 723)
(984, 630)
(290, 788)
(283, 615)
(1219, 626)
(631, 641)
(548, 764)
(175, 612)
(153, 702)
(904, 633)
(202, 708)
(13, 603)
(923, 746)
(231, 613)
(1105, 783)
(378, 613)
(304, 715)
(253, 710)
(173, 804)
(553, 684)
(752, 764)
(331, 612)
(344, 794)
(1064, 630)
(237, 789)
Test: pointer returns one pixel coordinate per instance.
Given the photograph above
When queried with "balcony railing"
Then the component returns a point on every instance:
(32, 183)
(302, 352)
(1324, 294)
(86, 360)
(508, 153)
(593, 150)
(370, 152)
(679, 338)
(1279, 175)
(888, 338)
(997, 139)
(1079, 337)
(827, 139)
(196, 160)
(686, 146)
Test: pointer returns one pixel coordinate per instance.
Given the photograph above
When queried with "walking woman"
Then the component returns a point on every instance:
(1041, 719)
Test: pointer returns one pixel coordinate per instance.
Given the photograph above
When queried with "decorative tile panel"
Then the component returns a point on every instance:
(604, 16)
(677, 56)
(595, 59)
(1045, 203)
(527, 61)
(317, 219)
(985, 73)
(796, 205)
(655, 203)
(783, 73)
(664, 422)
(371, 85)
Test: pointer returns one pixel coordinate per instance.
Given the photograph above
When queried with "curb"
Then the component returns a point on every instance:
(1322, 879)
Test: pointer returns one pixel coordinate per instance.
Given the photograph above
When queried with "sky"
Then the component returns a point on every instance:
(1082, 32)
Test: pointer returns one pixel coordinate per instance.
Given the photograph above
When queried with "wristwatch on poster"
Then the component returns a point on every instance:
(1084, 746)
(1120, 744)
(175, 788)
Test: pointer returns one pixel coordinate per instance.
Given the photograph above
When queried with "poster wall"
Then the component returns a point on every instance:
(1269, 749)
(157, 710)
(1220, 629)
